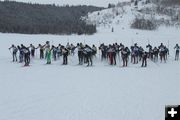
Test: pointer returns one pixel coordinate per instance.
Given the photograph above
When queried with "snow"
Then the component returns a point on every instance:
(101, 92)
(92, 93)
(101, 3)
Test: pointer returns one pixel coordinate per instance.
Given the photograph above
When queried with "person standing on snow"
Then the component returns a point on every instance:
(54, 51)
(162, 52)
(48, 55)
(65, 53)
(32, 50)
(124, 55)
(14, 54)
(26, 53)
(144, 59)
(21, 54)
(59, 51)
(94, 48)
(46, 47)
(80, 48)
(111, 55)
(88, 54)
(177, 48)
(41, 50)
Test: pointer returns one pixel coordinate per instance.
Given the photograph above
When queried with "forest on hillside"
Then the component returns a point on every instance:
(28, 18)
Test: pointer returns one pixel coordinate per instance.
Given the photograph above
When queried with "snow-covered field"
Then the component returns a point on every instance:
(101, 92)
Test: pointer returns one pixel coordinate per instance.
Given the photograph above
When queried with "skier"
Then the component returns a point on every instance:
(48, 55)
(72, 49)
(80, 53)
(162, 52)
(111, 54)
(88, 54)
(177, 48)
(68, 47)
(117, 47)
(65, 53)
(155, 52)
(26, 53)
(14, 54)
(59, 52)
(134, 53)
(149, 51)
(144, 59)
(41, 50)
(103, 49)
(54, 51)
(32, 50)
(94, 50)
(124, 55)
(140, 51)
(46, 47)
(21, 54)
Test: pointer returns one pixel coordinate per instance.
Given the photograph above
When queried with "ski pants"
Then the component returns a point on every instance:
(14, 56)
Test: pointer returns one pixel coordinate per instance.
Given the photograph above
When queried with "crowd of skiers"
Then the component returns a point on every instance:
(109, 53)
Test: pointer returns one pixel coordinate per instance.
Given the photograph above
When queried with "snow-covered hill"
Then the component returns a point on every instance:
(101, 3)
(124, 14)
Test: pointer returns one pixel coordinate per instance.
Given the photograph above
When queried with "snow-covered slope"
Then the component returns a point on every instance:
(123, 15)
(101, 3)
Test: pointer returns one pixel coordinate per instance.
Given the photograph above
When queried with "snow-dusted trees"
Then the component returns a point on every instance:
(144, 24)
(29, 18)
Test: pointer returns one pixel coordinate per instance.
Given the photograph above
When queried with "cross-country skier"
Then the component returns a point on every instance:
(46, 47)
(14, 52)
(72, 49)
(65, 53)
(32, 50)
(80, 48)
(54, 51)
(21, 54)
(155, 52)
(48, 55)
(177, 48)
(134, 53)
(41, 50)
(111, 55)
(144, 59)
(26, 53)
(94, 48)
(124, 55)
(88, 54)
(162, 52)
(59, 52)
(103, 49)
(140, 51)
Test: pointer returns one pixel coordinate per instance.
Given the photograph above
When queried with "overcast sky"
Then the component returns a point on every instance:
(103, 3)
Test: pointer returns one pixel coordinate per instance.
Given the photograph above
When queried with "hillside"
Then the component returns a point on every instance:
(100, 3)
(29, 18)
(127, 15)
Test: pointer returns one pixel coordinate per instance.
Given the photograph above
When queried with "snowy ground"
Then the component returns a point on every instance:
(101, 92)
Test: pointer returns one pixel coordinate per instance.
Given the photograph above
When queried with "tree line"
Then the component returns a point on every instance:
(28, 18)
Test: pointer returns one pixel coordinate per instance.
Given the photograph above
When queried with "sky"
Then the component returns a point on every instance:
(101, 3)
